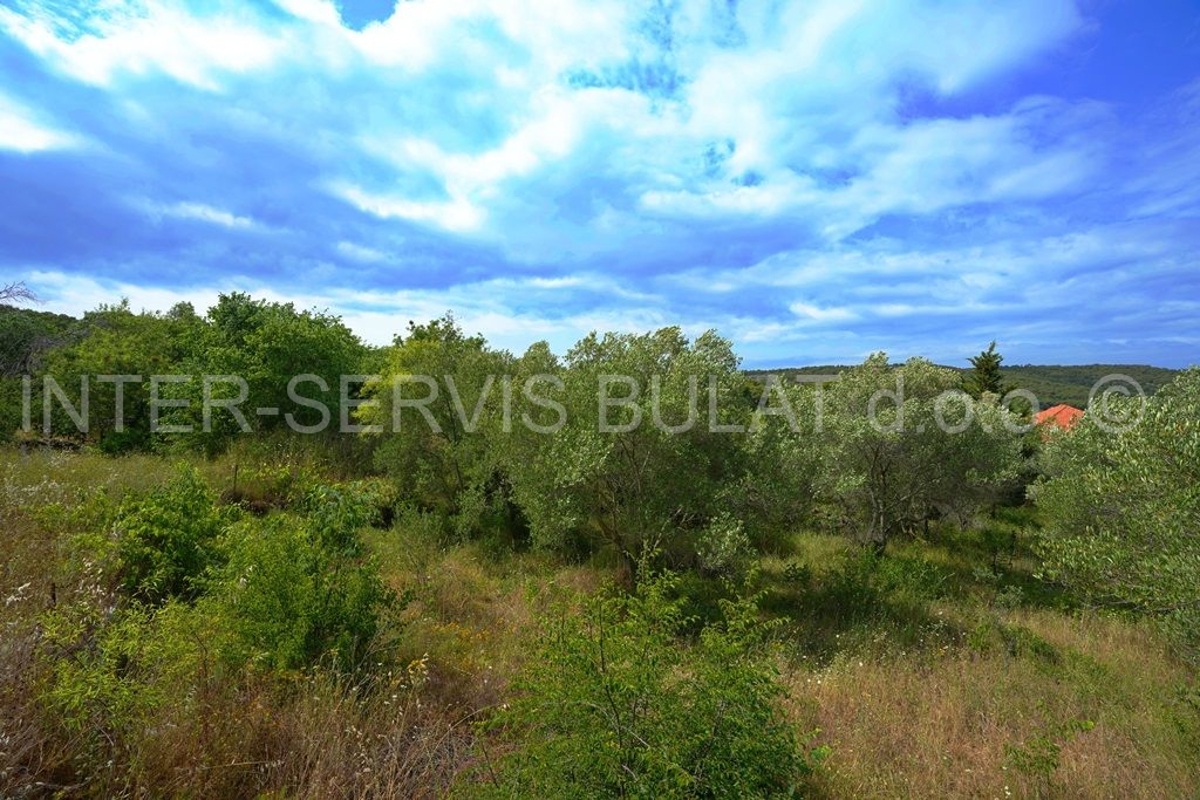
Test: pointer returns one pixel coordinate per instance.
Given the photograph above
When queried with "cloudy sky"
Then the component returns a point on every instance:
(816, 180)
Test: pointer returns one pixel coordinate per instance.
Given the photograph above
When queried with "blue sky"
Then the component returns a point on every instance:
(816, 180)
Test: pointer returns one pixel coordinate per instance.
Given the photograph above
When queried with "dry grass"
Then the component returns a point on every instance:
(228, 735)
(919, 696)
(471, 615)
(954, 722)
(27, 574)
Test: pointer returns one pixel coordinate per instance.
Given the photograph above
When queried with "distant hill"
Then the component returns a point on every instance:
(1072, 384)
(1051, 384)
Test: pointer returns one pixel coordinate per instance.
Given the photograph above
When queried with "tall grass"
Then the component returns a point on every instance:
(928, 686)
(943, 669)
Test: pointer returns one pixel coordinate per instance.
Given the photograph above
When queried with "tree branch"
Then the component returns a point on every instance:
(17, 293)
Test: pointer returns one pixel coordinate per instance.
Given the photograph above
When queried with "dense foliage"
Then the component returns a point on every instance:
(328, 531)
(613, 705)
(1122, 502)
(134, 381)
(172, 591)
(918, 450)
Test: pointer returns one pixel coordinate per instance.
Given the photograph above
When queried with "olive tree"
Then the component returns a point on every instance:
(438, 407)
(1121, 506)
(635, 438)
(902, 444)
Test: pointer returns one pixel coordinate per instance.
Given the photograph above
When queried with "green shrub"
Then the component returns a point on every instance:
(212, 605)
(335, 514)
(613, 705)
(110, 674)
(295, 591)
(1121, 504)
(167, 540)
(864, 582)
(725, 549)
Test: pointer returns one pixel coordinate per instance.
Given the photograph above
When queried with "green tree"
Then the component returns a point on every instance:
(902, 445)
(777, 489)
(438, 410)
(1121, 507)
(26, 336)
(281, 354)
(985, 376)
(635, 457)
(126, 348)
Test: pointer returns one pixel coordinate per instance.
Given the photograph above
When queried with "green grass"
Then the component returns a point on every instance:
(946, 669)
(942, 669)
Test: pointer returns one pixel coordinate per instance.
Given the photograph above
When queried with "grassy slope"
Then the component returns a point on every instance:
(944, 670)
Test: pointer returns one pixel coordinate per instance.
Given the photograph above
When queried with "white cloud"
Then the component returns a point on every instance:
(377, 315)
(457, 214)
(809, 311)
(20, 130)
(77, 294)
(801, 153)
(163, 38)
(322, 12)
(207, 213)
(360, 252)
(944, 304)
(789, 100)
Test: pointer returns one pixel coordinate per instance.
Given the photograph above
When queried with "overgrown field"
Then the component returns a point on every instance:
(438, 568)
(427, 667)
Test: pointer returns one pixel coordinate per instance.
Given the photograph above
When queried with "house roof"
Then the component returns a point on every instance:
(1062, 415)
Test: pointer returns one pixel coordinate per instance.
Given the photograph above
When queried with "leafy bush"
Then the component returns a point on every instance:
(294, 590)
(209, 607)
(864, 582)
(109, 676)
(725, 549)
(167, 540)
(1121, 505)
(613, 705)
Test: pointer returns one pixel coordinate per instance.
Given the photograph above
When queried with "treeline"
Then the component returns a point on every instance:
(1073, 384)
(113, 353)
(652, 454)
(1051, 384)
(627, 443)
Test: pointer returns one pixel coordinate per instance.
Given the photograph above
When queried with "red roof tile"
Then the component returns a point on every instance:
(1062, 415)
